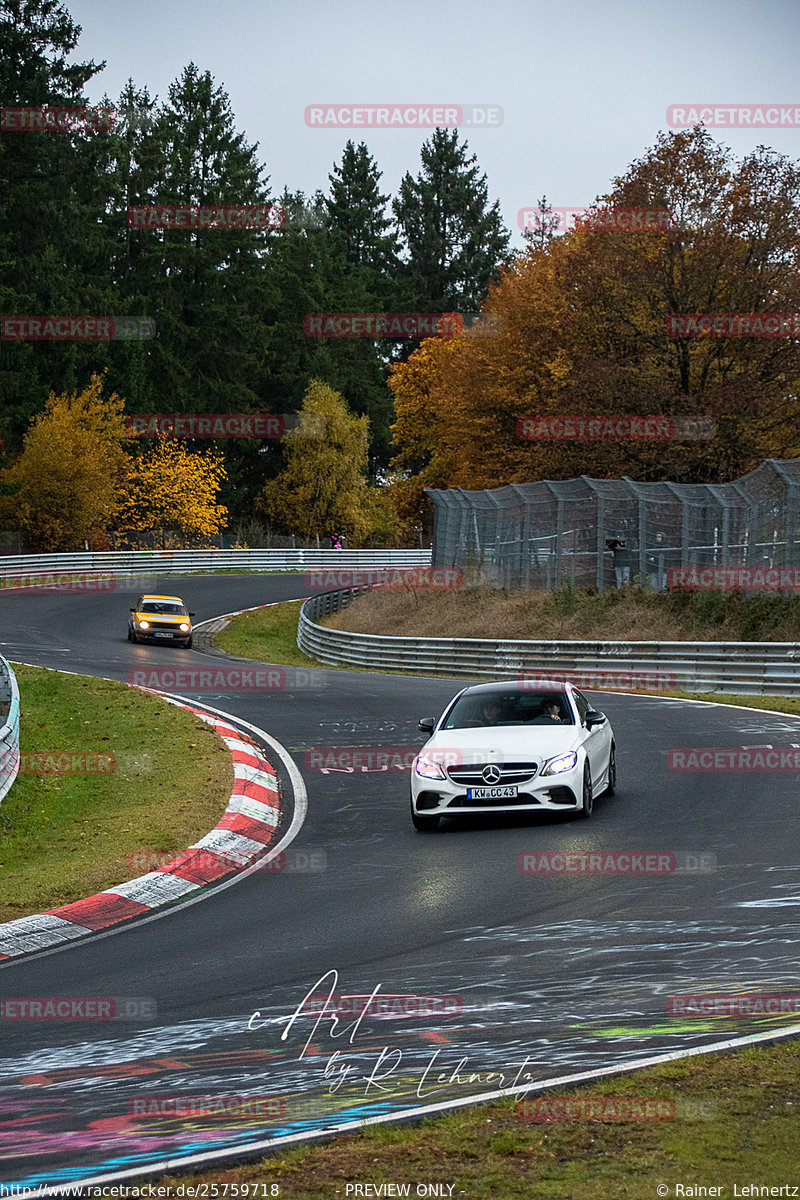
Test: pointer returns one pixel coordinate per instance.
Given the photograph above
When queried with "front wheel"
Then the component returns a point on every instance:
(188, 643)
(585, 809)
(611, 786)
(423, 824)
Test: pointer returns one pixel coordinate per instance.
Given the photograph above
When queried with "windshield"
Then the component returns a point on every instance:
(477, 709)
(163, 606)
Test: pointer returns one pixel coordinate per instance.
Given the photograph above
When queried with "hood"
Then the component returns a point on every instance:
(507, 743)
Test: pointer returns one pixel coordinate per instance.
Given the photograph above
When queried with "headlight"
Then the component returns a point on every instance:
(429, 768)
(144, 624)
(184, 627)
(564, 762)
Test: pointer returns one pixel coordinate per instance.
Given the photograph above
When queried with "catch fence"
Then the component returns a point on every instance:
(546, 534)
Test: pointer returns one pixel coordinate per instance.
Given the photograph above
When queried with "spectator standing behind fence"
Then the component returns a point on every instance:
(622, 560)
(337, 540)
(655, 563)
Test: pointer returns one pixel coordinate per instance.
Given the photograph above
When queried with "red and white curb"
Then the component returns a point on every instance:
(241, 838)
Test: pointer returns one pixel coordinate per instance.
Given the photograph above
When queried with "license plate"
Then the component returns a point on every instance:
(162, 635)
(493, 793)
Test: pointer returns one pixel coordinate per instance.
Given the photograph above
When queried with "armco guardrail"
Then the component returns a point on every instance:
(9, 731)
(748, 668)
(165, 562)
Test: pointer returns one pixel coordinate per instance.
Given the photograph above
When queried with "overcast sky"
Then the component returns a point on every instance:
(583, 86)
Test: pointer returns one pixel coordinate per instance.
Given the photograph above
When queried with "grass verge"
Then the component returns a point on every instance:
(731, 1119)
(266, 635)
(66, 833)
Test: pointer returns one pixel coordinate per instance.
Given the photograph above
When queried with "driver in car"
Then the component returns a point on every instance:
(490, 712)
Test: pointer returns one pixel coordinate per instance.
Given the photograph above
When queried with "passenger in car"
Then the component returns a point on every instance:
(549, 712)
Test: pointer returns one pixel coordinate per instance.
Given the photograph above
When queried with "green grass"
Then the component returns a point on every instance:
(66, 835)
(266, 635)
(735, 1122)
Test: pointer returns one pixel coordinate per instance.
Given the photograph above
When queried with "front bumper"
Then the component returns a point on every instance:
(162, 635)
(547, 793)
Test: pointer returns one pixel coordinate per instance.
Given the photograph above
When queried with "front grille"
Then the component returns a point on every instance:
(472, 775)
(163, 625)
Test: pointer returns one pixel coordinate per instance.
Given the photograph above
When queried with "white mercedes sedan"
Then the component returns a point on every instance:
(533, 746)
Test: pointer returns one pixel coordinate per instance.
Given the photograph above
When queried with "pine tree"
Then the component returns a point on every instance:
(48, 207)
(456, 243)
(357, 212)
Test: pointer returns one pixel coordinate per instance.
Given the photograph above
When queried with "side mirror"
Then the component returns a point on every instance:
(594, 718)
(191, 614)
(133, 610)
(426, 724)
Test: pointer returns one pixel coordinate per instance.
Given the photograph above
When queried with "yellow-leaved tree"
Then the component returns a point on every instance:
(323, 485)
(172, 492)
(67, 476)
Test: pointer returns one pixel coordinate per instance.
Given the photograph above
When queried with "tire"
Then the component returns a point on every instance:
(130, 635)
(134, 638)
(585, 810)
(611, 786)
(187, 644)
(423, 824)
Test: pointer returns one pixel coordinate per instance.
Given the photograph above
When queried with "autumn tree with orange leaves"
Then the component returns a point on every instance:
(580, 329)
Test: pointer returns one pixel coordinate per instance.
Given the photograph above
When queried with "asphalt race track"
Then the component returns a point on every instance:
(524, 977)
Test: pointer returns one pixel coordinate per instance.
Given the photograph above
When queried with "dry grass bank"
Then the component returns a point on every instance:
(633, 614)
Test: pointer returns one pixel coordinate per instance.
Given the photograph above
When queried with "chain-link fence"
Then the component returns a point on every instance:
(598, 532)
